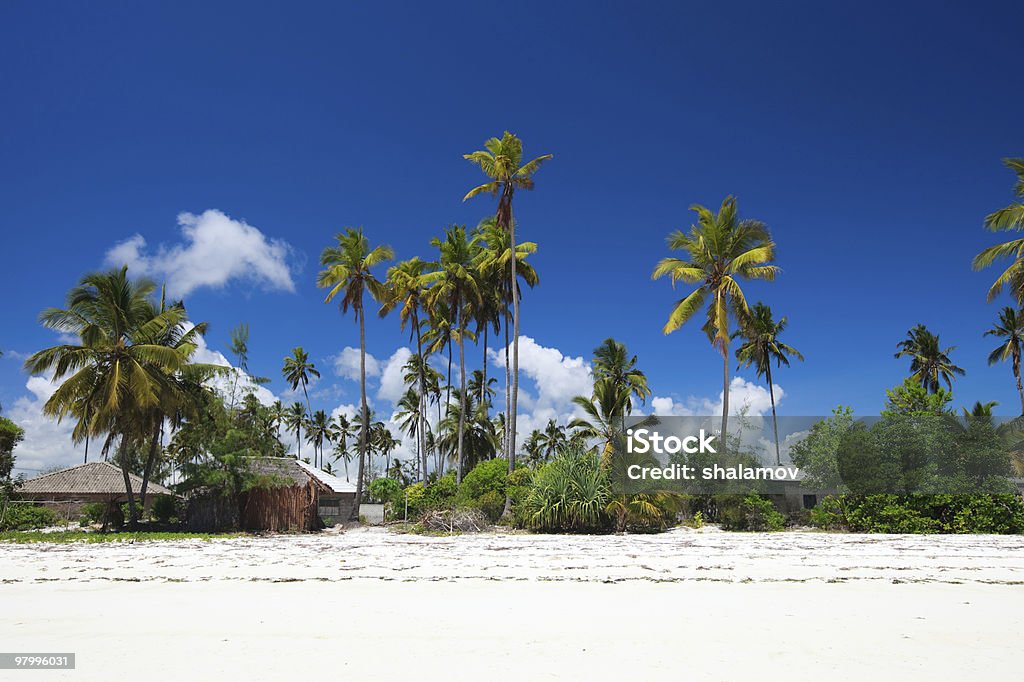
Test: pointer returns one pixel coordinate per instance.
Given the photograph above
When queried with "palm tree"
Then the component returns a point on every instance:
(720, 251)
(613, 362)
(404, 290)
(501, 162)
(496, 270)
(1003, 220)
(277, 412)
(760, 347)
(552, 439)
(454, 283)
(603, 411)
(409, 415)
(115, 376)
(297, 371)
(348, 274)
(295, 420)
(240, 349)
(1010, 329)
(319, 431)
(340, 431)
(929, 363)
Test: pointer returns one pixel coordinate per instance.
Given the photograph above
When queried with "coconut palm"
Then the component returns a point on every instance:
(1010, 330)
(552, 439)
(404, 291)
(239, 347)
(298, 371)
(319, 431)
(761, 346)
(496, 269)
(613, 362)
(348, 274)
(295, 421)
(410, 418)
(929, 362)
(603, 420)
(339, 434)
(501, 162)
(117, 373)
(473, 431)
(721, 250)
(454, 283)
(1003, 220)
(277, 411)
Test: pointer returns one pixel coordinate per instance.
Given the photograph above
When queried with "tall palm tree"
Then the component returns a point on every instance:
(552, 439)
(116, 370)
(348, 274)
(340, 431)
(498, 271)
(720, 251)
(760, 347)
(239, 347)
(404, 290)
(295, 420)
(298, 370)
(319, 431)
(501, 161)
(410, 417)
(613, 362)
(277, 411)
(929, 362)
(1004, 220)
(603, 411)
(1010, 330)
(455, 283)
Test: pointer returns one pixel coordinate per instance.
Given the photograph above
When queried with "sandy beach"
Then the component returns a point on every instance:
(381, 606)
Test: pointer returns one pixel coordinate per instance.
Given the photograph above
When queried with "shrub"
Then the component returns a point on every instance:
(93, 512)
(27, 517)
(484, 488)
(440, 494)
(570, 493)
(828, 514)
(165, 509)
(751, 513)
(987, 513)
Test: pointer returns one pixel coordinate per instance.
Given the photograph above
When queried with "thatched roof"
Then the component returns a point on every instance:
(94, 478)
(299, 473)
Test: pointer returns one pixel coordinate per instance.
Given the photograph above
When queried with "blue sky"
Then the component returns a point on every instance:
(867, 136)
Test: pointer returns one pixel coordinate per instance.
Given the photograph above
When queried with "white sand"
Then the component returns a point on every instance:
(370, 605)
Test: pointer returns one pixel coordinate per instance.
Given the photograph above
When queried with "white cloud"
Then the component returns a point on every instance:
(225, 385)
(47, 443)
(392, 383)
(744, 397)
(216, 249)
(346, 364)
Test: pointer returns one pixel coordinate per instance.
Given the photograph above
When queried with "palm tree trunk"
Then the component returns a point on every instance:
(87, 440)
(133, 517)
(362, 406)
(515, 352)
(775, 419)
(725, 394)
(422, 439)
(1016, 375)
(462, 398)
(150, 459)
(309, 411)
(483, 384)
(448, 388)
(508, 385)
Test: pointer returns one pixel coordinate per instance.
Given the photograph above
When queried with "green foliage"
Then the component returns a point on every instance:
(912, 399)
(27, 517)
(440, 494)
(750, 513)
(10, 435)
(94, 512)
(484, 488)
(165, 509)
(816, 455)
(72, 536)
(987, 513)
(696, 521)
(387, 491)
(568, 494)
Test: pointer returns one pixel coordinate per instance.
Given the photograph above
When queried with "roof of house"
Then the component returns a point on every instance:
(300, 473)
(94, 478)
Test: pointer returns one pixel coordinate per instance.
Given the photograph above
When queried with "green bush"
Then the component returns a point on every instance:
(28, 517)
(484, 488)
(93, 512)
(165, 509)
(570, 493)
(988, 513)
(751, 513)
(440, 494)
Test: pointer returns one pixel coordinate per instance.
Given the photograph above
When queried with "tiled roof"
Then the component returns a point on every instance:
(92, 478)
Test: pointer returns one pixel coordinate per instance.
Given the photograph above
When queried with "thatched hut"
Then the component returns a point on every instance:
(68, 490)
(300, 498)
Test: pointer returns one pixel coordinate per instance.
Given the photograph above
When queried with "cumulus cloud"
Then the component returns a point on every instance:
(745, 397)
(47, 443)
(392, 383)
(346, 364)
(226, 384)
(216, 250)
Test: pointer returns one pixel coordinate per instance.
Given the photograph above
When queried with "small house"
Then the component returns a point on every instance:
(68, 490)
